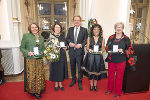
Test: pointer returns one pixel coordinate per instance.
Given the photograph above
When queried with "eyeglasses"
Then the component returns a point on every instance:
(76, 20)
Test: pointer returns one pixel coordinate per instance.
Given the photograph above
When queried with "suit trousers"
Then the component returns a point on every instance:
(119, 69)
(76, 60)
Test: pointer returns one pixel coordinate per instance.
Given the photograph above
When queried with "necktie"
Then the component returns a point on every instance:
(75, 36)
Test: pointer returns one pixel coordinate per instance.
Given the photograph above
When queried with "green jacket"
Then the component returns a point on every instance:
(28, 42)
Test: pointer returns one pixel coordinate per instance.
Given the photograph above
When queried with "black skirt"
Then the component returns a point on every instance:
(93, 67)
(59, 70)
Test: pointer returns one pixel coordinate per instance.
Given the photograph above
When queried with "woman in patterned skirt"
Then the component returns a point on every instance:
(32, 44)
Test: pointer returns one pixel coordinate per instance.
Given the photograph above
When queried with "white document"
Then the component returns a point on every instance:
(36, 51)
(96, 47)
(62, 44)
(115, 48)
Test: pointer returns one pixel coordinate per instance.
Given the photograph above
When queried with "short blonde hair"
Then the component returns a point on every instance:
(119, 23)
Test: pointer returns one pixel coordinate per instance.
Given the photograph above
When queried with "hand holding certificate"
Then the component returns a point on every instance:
(36, 51)
(96, 50)
(62, 44)
(96, 47)
(115, 48)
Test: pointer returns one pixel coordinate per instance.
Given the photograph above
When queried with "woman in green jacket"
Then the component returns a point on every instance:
(32, 45)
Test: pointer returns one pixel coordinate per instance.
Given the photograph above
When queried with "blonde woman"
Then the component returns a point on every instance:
(119, 48)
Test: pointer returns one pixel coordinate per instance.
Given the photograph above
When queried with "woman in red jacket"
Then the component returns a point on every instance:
(119, 48)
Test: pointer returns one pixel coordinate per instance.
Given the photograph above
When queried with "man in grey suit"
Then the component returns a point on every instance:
(76, 39)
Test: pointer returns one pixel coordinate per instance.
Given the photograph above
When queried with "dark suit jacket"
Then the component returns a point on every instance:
(82, 37)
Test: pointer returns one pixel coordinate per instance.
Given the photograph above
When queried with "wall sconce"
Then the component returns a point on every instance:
(132, 11)
(27, 4)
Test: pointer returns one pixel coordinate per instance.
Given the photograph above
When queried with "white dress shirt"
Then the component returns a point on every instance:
(77, 31)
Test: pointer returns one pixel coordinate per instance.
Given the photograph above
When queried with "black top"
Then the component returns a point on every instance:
(61, 38)
(118, 57)
(92, 43)
(126, 45)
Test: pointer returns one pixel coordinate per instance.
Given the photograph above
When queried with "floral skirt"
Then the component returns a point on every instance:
(35, 76)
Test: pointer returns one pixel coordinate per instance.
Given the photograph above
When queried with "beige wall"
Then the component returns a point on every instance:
(4, 26)
(73, 10)
(115, 11)
(10, 23)
(107, 12)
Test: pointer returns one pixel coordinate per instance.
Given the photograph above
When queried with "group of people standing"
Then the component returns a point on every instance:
(92, 65)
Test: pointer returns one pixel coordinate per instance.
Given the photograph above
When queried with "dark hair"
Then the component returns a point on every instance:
(59, 25)
(29, 27)
(100, 28)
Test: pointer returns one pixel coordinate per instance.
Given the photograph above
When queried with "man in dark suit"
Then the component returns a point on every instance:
(76, 39)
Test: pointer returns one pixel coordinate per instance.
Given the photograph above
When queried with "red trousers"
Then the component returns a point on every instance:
(119, 69)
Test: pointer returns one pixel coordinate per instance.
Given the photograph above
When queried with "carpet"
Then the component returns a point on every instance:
(15, 91)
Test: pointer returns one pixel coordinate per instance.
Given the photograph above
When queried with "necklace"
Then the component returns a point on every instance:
(118, 39)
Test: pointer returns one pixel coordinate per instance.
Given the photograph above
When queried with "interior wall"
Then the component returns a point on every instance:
(107, 12)
(28, 16)
(73, 10)
(4, 28)
(10, 23)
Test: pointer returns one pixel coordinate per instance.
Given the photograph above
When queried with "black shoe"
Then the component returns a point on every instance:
(62, 88)
(95, 88)
(72, 83)
(80, 86)
(55, 88)
(32, 94)
(2, 82)
(91, 88)
(116, 96)
(38, 96)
